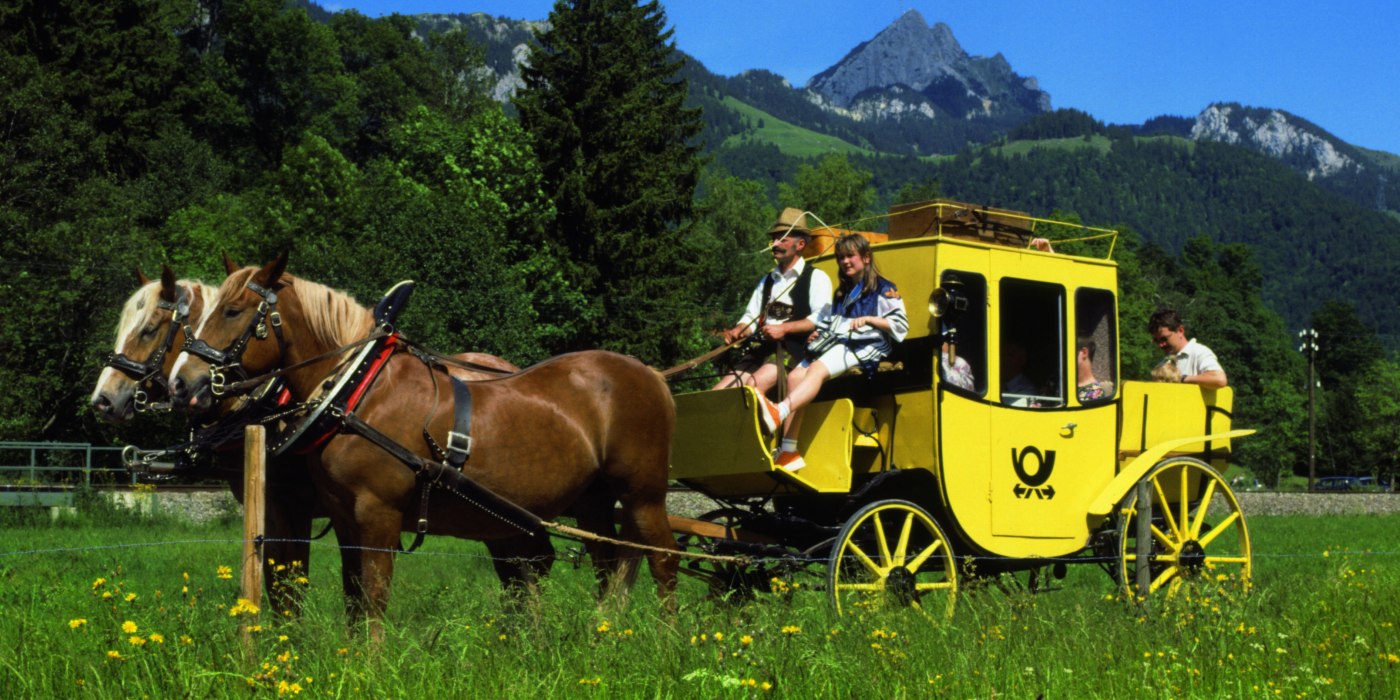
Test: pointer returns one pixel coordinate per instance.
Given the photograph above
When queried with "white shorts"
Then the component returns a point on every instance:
(840, 359)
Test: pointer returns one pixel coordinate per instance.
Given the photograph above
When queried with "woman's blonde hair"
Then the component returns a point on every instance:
(857, 244)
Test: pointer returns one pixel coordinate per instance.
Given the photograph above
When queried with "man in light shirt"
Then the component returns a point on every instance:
(782, 309)
(1195, 361)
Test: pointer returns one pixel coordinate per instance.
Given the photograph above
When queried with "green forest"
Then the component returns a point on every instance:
(595, 210)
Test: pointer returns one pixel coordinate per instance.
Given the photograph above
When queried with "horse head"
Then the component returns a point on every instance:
(260, 320)
(133, 379)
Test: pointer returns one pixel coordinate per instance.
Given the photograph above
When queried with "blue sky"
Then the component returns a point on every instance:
(1122, 61)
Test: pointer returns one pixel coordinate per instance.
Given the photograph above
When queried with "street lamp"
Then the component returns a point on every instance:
(1309, 346)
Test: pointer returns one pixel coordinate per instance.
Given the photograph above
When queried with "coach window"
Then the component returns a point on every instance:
(1033, 344)
(1095, 327)
(964, 327)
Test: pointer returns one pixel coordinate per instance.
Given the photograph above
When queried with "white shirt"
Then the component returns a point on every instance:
(1195, 359)
(818, 296)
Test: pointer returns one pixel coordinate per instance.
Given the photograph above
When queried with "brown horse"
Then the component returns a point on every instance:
(577, 433)
(149, 334)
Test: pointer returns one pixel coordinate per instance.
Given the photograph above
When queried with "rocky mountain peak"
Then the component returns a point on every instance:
(1274, 133)
(909, 55)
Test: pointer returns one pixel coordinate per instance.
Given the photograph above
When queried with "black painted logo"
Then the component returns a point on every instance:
(1032, 482)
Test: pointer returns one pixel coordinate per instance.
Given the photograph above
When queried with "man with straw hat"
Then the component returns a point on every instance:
(783, 308)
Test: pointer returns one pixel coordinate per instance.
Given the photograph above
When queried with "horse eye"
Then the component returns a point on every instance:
(231, 312)
(148, 331)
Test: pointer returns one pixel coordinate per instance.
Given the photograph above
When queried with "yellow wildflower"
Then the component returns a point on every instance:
(98, 583)
(77, 622)
(157, 637)
(114, 654)
(136, 640)
(243, 606)
(791, 630)
(605, 626)
(130, 597)
(129, 627)
(746, 640)
(224, 572)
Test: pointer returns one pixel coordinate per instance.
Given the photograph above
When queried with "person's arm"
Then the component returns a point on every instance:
(1211, 374)
(892, 320)
(1210, 379)
(801, 328)
(745, 326)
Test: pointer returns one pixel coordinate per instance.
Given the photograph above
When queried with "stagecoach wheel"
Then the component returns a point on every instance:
(1196, 531)
(722, 577)
(892, 554)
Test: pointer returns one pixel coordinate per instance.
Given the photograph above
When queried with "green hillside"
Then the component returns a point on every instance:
(791, 140)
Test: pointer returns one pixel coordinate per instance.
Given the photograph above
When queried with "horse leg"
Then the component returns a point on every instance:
(641, 481)
(521, 561)
(594, 513)
(378, 529)
(287, 551)
(645, 522)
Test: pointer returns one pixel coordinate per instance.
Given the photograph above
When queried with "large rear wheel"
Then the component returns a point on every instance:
(892, 554)
(1189, 529)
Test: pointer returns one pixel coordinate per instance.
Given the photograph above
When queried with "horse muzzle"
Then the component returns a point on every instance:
(193, 395)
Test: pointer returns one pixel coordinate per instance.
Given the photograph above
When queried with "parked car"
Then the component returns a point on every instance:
(1344, 483)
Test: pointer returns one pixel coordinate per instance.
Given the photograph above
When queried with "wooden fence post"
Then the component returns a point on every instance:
(254, 509)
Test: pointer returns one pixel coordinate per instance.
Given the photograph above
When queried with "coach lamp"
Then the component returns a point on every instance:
(947, 303)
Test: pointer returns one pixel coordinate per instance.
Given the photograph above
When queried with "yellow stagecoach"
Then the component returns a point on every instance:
(913, 483)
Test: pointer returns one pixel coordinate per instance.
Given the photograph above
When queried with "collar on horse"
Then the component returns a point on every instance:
(326, 419)
(148, 374)
(231, 358)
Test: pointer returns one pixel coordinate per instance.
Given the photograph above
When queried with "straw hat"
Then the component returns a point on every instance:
(791, 222)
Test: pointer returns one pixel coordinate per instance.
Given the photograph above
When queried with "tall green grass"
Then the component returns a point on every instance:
(141, 608)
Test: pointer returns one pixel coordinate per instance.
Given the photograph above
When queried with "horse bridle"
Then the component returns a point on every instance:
(231, 357)
(148, 375)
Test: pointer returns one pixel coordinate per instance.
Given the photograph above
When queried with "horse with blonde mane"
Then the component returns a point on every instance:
(577, 433)
(152, 323)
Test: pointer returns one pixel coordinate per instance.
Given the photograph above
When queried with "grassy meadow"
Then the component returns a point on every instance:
(115, 607)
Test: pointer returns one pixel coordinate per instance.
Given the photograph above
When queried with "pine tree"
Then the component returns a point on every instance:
(604, 105)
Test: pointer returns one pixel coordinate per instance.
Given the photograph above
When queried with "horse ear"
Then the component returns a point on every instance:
(167, 283)
(141, 278)
(272, 272)
(230, 266)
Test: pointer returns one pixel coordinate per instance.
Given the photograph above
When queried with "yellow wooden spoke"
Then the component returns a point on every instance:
(902, 548)
(1165, 507)
(1222, 527)
(871, 587)
(1164, 538)
(1226, 560)
(935, 586)
(1184, 501)
(880, 538)
(865, 560)
(1167, 575)
(923, 556)
(1202, 508)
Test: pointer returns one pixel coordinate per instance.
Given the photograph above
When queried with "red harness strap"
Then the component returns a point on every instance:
(392, 344)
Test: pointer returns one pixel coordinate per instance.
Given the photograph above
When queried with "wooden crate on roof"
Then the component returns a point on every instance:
(824, 238)
(960, 220)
